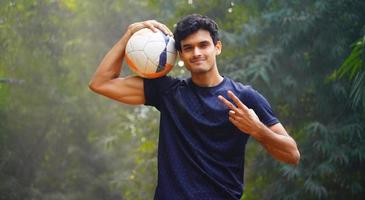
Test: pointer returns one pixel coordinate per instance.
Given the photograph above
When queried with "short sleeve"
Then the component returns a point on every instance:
(154, 89)
(261, 106)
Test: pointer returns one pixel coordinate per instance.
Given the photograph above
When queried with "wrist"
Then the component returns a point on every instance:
(128, 33)
(124, 39)
(259, 131)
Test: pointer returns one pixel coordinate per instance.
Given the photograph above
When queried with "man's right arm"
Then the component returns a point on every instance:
(106, 80)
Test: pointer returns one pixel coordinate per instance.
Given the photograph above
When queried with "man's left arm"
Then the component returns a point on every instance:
(274, 139)
(277, 142)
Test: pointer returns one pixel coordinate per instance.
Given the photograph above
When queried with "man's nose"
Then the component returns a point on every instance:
(196, 51)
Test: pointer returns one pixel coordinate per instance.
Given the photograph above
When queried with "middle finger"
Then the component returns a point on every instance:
(228, 104)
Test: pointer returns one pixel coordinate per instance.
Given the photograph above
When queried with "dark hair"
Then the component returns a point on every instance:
(191, 24)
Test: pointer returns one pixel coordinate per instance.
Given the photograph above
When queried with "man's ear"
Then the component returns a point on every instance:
(218, 47)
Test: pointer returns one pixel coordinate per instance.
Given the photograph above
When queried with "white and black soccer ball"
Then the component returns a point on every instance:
(150, 54)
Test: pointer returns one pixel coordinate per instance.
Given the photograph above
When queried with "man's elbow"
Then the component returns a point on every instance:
(93, 86)
(295, 158)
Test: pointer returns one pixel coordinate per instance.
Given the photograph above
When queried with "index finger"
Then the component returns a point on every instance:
(167, 30)
(154, 25)
(236, 100)
(228, 104)
(150, 24)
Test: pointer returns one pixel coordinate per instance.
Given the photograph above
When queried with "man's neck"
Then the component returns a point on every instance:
(210, 79)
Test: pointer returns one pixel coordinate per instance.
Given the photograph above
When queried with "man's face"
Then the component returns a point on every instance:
(199, 52)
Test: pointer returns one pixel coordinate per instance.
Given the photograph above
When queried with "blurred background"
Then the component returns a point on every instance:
(60, 141)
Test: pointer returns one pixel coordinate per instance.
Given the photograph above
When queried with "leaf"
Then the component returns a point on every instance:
(314, 187)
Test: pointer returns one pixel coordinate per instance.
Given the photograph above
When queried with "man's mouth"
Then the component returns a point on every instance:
(197, 60)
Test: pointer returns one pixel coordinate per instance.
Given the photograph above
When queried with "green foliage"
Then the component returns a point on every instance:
(60, 141)
(57, 142)
(307, 40)
(354, 69)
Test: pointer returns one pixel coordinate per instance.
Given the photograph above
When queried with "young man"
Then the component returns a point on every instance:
(205, 120)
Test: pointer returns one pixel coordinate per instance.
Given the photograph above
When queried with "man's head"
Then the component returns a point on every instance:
(191, 24)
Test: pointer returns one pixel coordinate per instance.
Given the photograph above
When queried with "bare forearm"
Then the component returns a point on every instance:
(284, 156)
(275, 140)
(280, 145)
(111, 65)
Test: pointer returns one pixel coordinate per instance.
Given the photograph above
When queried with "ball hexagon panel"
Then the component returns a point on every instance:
(139, 59)
(171, 57)
(137, 42)
(150, 67)
(170, 47)
(153, 50)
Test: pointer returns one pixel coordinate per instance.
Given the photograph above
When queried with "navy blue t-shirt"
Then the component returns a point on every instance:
(200, 152)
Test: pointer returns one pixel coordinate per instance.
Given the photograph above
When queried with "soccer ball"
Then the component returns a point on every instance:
(150, 54)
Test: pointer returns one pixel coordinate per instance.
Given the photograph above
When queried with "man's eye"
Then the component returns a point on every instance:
(204, 45)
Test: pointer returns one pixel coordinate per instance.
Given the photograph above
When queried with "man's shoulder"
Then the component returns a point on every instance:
(163, 82)
(245, 92)
(239, 86)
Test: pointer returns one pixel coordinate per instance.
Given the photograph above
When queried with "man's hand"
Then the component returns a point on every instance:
(275, 139)
(107, 81)
(151, 24)
(240, 115)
